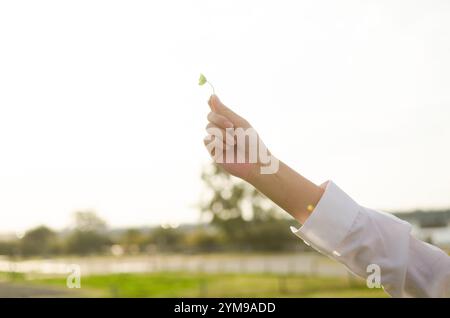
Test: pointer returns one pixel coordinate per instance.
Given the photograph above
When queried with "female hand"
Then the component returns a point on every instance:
(233, 143)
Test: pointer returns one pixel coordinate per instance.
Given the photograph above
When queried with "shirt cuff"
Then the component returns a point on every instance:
(330, 221)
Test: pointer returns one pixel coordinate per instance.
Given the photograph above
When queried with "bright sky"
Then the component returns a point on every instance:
(100, 107)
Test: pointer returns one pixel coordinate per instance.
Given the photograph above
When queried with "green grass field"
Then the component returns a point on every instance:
(211, 285)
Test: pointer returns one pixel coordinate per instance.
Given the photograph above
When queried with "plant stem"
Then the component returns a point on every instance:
(214, 92)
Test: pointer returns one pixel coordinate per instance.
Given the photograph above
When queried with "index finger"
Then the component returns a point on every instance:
(217, 106)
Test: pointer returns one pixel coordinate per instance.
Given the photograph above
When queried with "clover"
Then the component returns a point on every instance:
(202, 81)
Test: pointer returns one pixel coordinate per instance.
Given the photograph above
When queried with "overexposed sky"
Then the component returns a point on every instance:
(100, 107)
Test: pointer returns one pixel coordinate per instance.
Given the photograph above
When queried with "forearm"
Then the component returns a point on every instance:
(370, 243)
(289, 190)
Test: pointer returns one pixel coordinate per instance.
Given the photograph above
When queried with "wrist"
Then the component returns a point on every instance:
(255, 175)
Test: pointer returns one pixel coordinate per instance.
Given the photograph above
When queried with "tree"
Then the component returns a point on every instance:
(89, 235)
(9, 248)
(133, 240)
(247, 218)
(87, 242)
(38, 241)
(166, 239)
(204, 240)
(88, 221)
(233, 199)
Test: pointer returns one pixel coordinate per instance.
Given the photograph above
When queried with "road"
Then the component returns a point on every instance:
(13, 290)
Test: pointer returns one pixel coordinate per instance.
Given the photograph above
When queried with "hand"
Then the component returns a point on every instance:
(291, 191)
(223, 131)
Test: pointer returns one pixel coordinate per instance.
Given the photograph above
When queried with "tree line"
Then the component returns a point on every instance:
(233, 217)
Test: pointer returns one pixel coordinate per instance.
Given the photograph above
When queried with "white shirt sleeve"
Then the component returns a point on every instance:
(358, 237)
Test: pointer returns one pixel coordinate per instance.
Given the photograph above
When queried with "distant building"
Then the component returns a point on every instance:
(430, 226)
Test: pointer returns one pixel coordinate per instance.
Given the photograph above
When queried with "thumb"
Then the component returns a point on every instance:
(212, 105)
(217, 106)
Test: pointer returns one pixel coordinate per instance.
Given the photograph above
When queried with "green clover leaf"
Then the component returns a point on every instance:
(202, 81)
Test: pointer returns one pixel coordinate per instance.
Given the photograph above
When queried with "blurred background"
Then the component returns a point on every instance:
(102, 162)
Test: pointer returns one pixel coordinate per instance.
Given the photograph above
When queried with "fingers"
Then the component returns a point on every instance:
(219, 120)
(218, 107)
(220, 141)
(225, 136)
(216, 148)
(213, 107)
